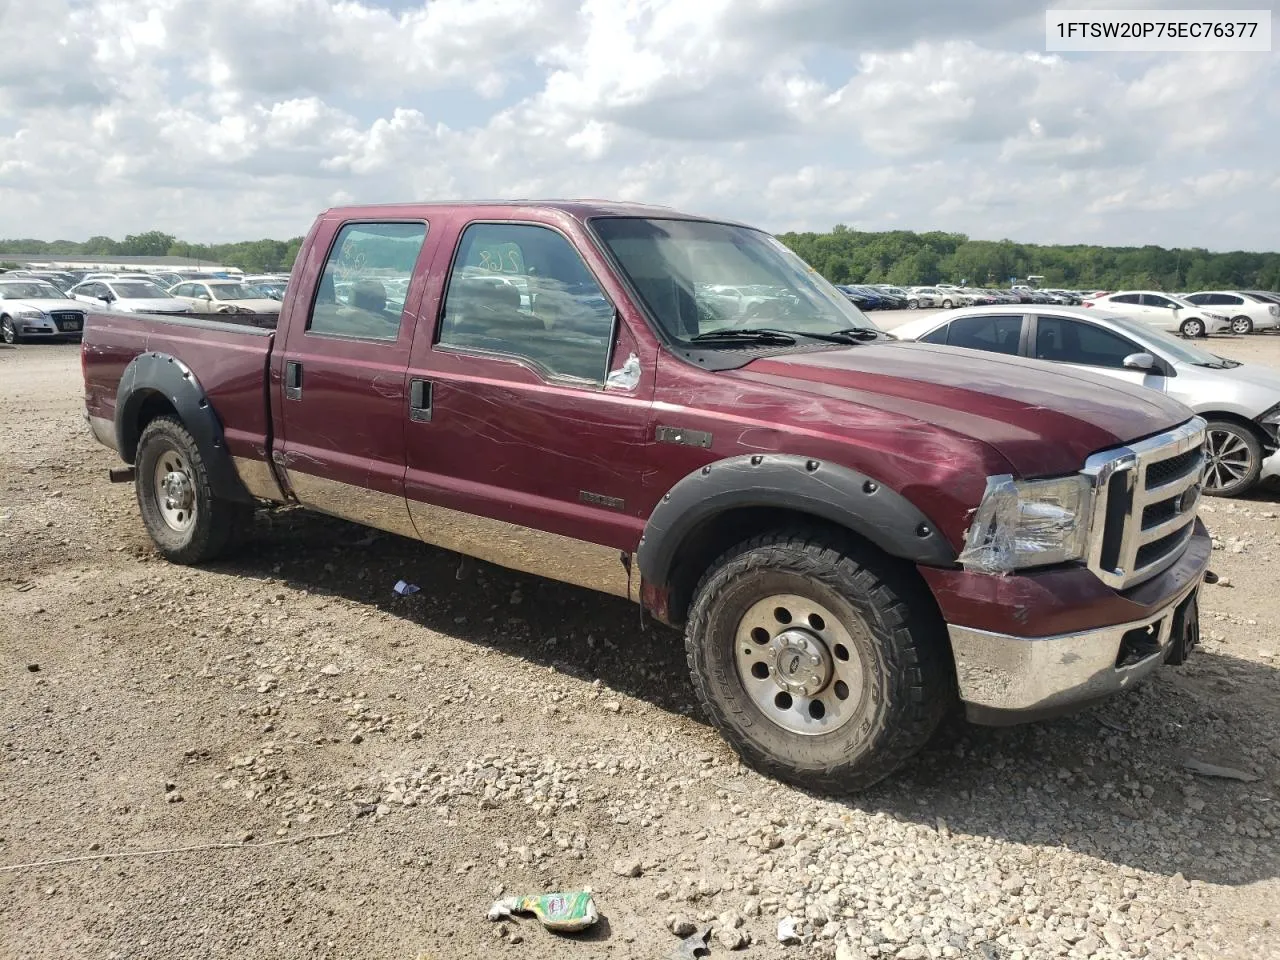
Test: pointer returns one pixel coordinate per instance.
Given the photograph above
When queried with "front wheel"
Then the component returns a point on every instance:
(1234, 459)
(1241, 325)
(188, 522)
(947, 304)
(819, 662)
(1192, 327)
(913, 304)
(8, 331)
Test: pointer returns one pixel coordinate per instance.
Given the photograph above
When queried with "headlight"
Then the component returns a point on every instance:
(1271, 420)
(1029, 523)
(1274, 309)
(29, 313)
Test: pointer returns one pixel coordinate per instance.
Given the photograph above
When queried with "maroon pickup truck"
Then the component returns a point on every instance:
(854, 532)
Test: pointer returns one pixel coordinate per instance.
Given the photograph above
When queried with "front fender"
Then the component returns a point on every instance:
(805, 485)
(153, 374)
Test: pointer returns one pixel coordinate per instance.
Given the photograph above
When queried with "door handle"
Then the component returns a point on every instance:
(292, 380)
(420, 400)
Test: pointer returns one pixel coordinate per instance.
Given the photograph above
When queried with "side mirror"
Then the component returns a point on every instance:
(1139, 361)
(1176, 306)
(107, 297)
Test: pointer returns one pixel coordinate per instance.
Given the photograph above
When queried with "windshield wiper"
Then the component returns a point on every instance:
(849, 335)
(745, 334)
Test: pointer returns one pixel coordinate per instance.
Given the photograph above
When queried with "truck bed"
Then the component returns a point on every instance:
(229, 360)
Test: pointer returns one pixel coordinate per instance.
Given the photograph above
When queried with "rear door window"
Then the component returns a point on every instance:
(1061, 340)
(995, 334)
(362, 290)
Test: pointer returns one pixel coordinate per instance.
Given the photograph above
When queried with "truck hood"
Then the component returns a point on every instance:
(1044, 420)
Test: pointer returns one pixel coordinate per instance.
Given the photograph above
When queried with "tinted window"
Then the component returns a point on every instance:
(1073, 341)
(1126, 298)
(523, 291)
(994, 334)
(1155, 300)
(1227, 300)
(1200, 299)
(362, 290)
(936, 336)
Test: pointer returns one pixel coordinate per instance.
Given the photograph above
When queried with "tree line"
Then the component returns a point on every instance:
(842, 255)
(906, 258)
(251, 256)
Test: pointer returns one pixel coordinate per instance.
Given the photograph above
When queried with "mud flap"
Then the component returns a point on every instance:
(1186, 630)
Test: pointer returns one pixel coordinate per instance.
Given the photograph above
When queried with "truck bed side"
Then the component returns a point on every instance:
(228, 361)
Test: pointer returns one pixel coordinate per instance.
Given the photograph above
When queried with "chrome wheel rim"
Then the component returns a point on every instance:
(1230, 460)
(1193, 328)
(8, 332)
(175, 491)
(799, 665)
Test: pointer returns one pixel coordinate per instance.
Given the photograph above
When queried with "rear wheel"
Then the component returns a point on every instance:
(1235, 459)
(187, 521)
(1241, 325)
(947, 304)
(913, 304)
(1192, 327)
(817, 660)
(9, 331)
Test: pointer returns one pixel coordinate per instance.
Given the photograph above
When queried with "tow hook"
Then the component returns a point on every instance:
(121, 474)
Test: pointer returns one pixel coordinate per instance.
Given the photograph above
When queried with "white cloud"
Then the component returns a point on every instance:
(243, 118)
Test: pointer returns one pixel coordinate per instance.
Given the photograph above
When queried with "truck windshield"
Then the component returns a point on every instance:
(696, 278)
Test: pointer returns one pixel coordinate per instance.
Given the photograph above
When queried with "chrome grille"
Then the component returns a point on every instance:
(1145, 501)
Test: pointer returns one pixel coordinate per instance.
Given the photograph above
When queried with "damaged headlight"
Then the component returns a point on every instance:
(1029, 523)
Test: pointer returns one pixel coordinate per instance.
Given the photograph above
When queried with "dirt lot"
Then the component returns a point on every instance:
(419, 755)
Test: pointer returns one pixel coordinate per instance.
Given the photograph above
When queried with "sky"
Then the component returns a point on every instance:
(220, 120)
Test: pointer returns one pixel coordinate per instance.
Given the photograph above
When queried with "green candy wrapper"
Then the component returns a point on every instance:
(565, 912)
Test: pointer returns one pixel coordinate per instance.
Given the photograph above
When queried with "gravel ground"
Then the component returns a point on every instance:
(366, 773)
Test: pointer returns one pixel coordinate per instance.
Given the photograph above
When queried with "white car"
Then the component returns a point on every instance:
(222, 296)
(128, 296)
(32, 309)
(1240, 402)
(1163, 311)
(924, 297)
(1248, 312)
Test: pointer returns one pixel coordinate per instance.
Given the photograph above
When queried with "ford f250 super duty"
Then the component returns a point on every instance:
(854, 532)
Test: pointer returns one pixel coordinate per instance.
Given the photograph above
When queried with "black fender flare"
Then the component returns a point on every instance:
(150, 374)
(829, 491)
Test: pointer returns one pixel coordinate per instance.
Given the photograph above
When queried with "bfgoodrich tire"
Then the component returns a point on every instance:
(818, 661)
(187, 521)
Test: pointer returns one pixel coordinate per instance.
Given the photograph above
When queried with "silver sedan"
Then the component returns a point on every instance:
(1241, 402)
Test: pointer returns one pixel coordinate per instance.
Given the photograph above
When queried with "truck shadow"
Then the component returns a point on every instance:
(1108, 782)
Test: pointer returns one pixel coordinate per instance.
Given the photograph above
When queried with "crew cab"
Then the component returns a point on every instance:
(854, 532)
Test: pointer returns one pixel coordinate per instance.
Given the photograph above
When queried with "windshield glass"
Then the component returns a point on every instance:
(138, 290)
(30, 290)
(231, 291)
(1180, 350)
(696, 278)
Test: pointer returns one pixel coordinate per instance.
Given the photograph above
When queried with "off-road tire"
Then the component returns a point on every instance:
(908, 683)
(219, 523)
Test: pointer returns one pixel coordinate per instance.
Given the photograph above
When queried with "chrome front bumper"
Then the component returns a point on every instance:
(1010, 679)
